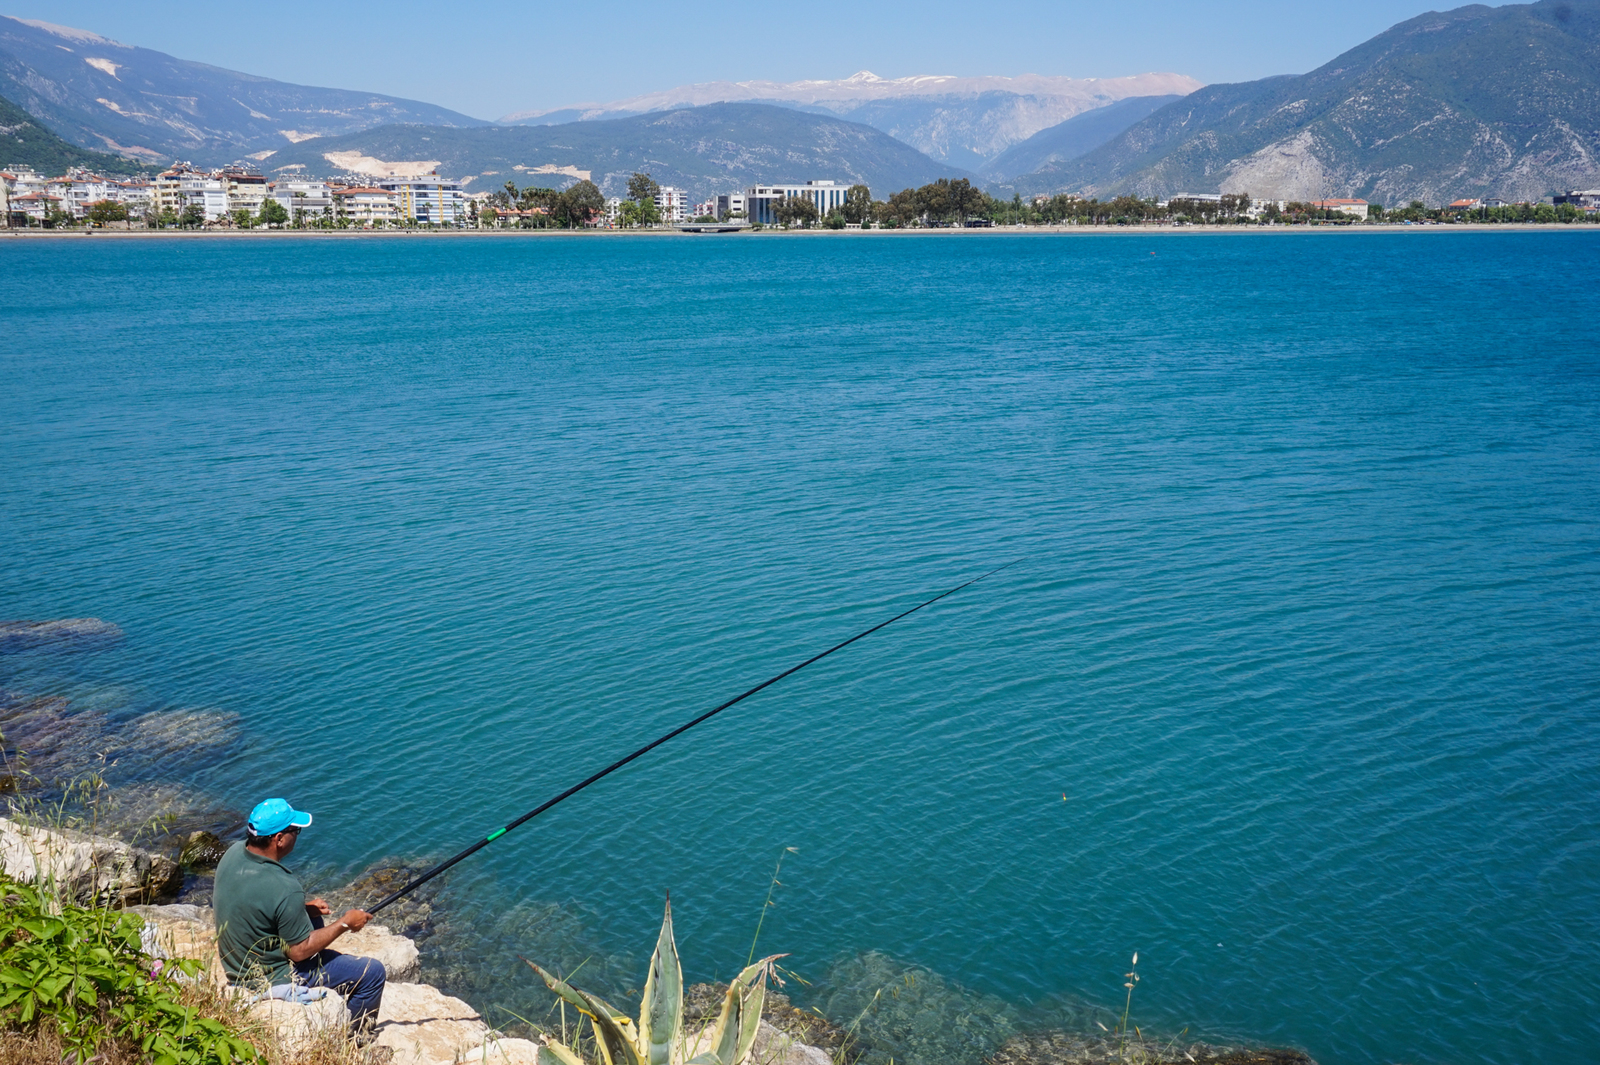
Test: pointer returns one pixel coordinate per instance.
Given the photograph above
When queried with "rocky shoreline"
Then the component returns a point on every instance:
(51, 746)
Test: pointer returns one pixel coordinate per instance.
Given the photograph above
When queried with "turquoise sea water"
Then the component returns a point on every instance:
(1294, 691)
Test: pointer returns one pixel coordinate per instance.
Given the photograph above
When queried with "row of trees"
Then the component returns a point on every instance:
(543, 208)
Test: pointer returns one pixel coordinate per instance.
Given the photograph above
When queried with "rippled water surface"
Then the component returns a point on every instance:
(1294, 691)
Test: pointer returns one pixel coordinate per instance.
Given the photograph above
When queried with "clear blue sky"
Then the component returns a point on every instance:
(497, 58)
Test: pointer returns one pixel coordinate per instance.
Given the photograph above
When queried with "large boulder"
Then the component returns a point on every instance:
(497, 1052)
(298, 1029)
(183, 932)
(397, 953)
(90, 870)
(423, 1025)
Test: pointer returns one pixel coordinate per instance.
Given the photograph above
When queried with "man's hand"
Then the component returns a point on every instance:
(321, 938)
(318, 906)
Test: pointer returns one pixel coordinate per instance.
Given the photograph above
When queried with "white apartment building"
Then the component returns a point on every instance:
(77, 189)
(184, 186)
(306, 201)
(827, 195)
(428, 201)
(672, 204)
(21, 180)
(700, 210)
(365, 205)
(613, 213)
(733, 202)
(137, 196)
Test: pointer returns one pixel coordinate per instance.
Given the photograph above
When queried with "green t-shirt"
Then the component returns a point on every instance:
(260, 910)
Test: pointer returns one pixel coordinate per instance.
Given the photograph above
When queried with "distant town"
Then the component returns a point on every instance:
(241, 197)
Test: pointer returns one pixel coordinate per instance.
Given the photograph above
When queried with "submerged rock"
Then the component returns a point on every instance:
(16, 635)
(411, 916)
(1067, 1048)
(902, 1012)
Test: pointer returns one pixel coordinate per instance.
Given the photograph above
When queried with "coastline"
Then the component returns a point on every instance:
(1025, 231)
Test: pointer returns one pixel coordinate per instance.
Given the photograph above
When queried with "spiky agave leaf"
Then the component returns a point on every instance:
(553, 1053)
(612, 1028)
(734, 1033)
(661, 1012)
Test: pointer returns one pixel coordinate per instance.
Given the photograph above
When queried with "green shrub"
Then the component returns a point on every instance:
(84, 972)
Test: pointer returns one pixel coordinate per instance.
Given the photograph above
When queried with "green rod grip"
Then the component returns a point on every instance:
(496, 834)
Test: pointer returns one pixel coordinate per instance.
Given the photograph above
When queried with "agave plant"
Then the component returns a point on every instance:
(658, 1038)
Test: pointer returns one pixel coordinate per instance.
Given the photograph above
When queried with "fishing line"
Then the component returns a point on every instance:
(647, 748)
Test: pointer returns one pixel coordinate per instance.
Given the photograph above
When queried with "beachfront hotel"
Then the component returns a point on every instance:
(763, 199)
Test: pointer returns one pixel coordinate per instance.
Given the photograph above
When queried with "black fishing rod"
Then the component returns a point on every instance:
(614, 766)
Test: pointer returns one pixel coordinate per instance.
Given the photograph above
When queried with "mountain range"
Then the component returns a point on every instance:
(1477, 101)
(703, 150)
(146, 105)
(960, 121)
(1076, 136)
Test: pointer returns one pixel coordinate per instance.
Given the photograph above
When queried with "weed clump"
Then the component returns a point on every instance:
(79, 977)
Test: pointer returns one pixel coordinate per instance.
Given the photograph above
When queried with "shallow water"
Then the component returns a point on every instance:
(1294, 692)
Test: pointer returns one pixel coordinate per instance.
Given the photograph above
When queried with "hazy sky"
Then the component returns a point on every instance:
(497, 58)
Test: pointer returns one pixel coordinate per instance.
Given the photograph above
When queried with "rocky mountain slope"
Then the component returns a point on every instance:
(101, 94)
(959, 121)
(1077, 136)
(1476, 101)
(704, 150)
(25, 142)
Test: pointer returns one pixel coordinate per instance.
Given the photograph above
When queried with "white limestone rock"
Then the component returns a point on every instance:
(183, 931)
(497, 1052)
(773, 1047)
(298, 1028)
(423, 1025)
(397, 953)
(90, 870)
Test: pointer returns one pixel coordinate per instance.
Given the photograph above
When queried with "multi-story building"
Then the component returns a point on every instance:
(35, 205)
(730, 204)
(138, 196)
(183, 186)
(1584, 199)
(306, 201)
(671, 204)
(427, 201)
(21, 180)
(761, 200)
(77, 189)
(247, 187)
(15, 183)
(613, 214)
(1355, 208)
(365, 205)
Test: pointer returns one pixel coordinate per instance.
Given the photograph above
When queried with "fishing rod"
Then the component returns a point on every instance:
(647, 748)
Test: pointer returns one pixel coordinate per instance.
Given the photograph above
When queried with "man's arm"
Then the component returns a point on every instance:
(321, 938)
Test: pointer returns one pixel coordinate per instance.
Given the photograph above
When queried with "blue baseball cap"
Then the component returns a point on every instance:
(274, 815)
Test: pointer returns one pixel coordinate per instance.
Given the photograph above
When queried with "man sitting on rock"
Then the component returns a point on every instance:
(267, 932)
